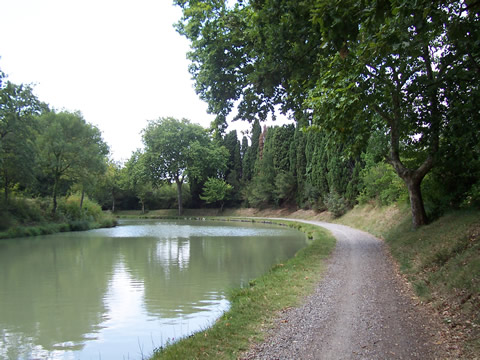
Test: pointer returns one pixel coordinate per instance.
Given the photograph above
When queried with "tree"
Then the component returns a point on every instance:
(216, 190)
(233, 173)
(176, 150)
(18, 107)
(137, 177)
(350, 68)
(111, 184)
(69, 149)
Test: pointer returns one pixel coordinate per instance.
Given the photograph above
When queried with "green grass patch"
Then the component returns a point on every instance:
(254, 308)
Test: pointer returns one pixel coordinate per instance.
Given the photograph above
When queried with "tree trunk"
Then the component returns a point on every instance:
(54, 210)
(179, 197)
(113, 203)
(413, 180)
(82, 198)
(6, 188)
(419, 216)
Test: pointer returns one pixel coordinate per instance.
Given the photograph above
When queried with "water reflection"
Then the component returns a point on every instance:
(119, 293)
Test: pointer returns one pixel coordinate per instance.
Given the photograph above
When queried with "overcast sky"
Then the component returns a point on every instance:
(120, 62)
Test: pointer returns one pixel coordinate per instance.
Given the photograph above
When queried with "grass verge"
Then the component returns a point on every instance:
(440, 260)
(253, 308)
(105, 221)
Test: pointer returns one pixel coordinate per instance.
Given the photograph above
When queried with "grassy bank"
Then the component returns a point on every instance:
(254, 308)
(56, 227)
(440, 260)
(31, 217)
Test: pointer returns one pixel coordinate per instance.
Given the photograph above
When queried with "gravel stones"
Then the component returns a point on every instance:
(360, 310)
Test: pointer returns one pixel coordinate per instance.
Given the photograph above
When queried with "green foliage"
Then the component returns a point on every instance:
(407, 69)
(261, 190)
(284, 187)
(167, 196)
(136, 178)
(336, 204)
(177, 150)
(70, 148)
(33, 217)
(70, 208)
(473, 196)
(18, 106)
(216, 190)
(20, 211)
(282, 137)
(381, 184)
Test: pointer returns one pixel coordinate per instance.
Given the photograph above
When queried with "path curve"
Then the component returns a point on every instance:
(360, 310)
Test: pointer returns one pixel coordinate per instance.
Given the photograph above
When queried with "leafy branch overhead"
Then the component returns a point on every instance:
(408, 69)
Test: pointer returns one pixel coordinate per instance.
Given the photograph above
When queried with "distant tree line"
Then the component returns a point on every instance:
(383, 94)
(47, 155)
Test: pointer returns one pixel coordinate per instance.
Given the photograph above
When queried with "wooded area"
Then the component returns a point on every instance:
(383, 94)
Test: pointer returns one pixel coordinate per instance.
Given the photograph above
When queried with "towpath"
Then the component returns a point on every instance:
(360, 310)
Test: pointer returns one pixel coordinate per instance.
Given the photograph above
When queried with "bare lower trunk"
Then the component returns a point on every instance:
(413, 180)
(6, 188)
(54, 209)
(179, 196)
(419, 216)
(113, 204)
(82, 198)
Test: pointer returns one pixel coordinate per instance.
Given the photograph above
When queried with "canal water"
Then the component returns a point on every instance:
(120, 293)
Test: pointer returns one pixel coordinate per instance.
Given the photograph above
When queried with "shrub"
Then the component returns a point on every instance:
(24, 211)
(336, 204)
(382, 184)
(79, 225)
(70, 208)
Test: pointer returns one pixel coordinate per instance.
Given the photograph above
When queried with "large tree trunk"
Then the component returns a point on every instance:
(179, 197)
(413, 180)
(113, 203)
(419, 216)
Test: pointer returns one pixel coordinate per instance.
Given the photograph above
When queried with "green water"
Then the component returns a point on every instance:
(119, 293)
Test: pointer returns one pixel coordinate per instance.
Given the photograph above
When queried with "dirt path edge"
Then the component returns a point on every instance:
(362, 309)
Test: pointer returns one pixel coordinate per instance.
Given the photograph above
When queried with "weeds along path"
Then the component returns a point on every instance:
(361, 310)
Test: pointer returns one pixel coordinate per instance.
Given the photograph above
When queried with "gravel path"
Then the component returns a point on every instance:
(361, 310)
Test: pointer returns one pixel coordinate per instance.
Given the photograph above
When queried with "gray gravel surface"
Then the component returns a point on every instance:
(360, 310)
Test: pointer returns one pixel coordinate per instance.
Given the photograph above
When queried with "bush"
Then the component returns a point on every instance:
(336, 204)
(107, 220)
(79, 225)
(6, 220)
(70, 208)
(24, 211)
(382, 184)
(473, 196)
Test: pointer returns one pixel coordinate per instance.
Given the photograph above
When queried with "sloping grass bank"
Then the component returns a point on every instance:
(46, 228)
(254, 308)
(23, 217)
(441, 261)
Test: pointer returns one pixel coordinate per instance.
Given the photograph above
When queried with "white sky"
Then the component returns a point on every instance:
(120, 62)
